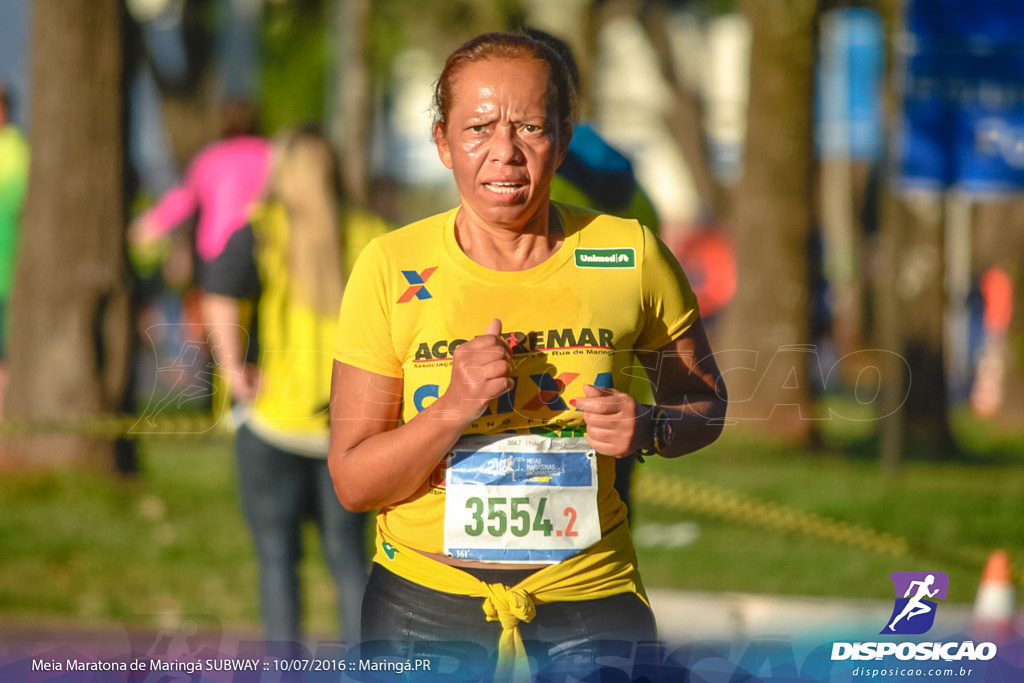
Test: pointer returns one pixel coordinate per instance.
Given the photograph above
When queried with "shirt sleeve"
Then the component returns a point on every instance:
(670, 306)
(364, 338)
(174, 207)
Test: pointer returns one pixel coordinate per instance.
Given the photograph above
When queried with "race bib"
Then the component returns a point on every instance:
(521, 498)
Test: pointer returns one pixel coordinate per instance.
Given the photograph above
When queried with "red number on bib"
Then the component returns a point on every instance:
(571, 514)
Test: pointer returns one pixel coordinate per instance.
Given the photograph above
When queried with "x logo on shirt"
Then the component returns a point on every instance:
(417, 285)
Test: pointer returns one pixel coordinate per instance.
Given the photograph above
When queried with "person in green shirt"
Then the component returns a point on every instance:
(14, 159)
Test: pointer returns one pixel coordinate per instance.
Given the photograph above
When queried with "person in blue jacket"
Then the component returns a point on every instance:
(596, 175)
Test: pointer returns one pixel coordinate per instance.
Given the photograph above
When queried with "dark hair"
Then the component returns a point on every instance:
(518, 45)
(238, 117)
(7, 99)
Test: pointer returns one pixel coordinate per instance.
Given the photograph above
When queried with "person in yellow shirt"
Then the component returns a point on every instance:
(291, 261)
(479, 391)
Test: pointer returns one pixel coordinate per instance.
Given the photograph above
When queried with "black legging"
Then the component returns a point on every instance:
(406, 621)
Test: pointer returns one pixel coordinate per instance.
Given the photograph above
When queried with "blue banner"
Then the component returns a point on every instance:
(963, 96)
(849, 103)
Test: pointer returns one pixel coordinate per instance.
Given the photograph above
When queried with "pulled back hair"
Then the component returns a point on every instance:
(561, 91)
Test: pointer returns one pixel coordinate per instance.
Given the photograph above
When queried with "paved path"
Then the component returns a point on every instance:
(685, 616)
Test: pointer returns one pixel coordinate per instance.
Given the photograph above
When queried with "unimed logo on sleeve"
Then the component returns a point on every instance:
(622, 257)
(917, 594)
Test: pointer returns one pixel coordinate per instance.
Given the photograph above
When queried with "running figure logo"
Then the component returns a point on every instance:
(914, 613)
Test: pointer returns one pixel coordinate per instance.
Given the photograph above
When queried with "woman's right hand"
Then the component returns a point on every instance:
(481, 371)
(377, 461)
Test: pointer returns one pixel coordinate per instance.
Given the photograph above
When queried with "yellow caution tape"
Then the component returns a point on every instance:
(679, 494)
(683, 495)
(186, 425)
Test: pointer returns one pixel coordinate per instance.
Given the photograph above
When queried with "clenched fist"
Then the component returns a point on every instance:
(616, 424)
(481, 371)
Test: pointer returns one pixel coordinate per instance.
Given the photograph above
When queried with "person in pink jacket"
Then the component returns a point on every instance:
(223, 181)
(221, 186)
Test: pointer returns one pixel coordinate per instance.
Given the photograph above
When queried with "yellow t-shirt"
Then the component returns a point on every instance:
(640, 208)
(295, 341)
(575, 319)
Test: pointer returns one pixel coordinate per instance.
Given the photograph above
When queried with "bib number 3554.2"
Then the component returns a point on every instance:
(520, 498)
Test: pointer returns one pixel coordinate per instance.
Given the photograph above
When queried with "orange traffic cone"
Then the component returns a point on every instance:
(995, 604)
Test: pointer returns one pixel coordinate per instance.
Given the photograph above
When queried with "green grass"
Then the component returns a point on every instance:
(91, 548)
(94, 547)
(952, 514)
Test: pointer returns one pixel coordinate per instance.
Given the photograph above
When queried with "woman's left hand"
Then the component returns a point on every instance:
(616, 424)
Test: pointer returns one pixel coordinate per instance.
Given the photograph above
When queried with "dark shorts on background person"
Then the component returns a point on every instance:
(233, 272)
(406, 621)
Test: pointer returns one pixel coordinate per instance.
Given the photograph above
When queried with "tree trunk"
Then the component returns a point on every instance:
(765, 351)
(686, 120)
(911, 304)
(350, 119)
(71, 317)
(920, 296)
(910, 299)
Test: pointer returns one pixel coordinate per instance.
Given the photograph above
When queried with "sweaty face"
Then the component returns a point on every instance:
(500, 141)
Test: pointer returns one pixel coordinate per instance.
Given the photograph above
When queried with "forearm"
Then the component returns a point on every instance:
(690, 394)
(228, 342)
(221, 318)
(693, 423)
(171, 211)
(396, 464)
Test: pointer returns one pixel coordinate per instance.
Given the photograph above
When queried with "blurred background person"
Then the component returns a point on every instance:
(14, 160)
(596, 175)
(221, 186)
(290, 259)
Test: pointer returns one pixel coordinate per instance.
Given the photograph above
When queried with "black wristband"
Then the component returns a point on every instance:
(664, 430)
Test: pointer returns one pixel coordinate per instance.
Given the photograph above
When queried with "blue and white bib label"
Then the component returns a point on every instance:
(520, 498)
